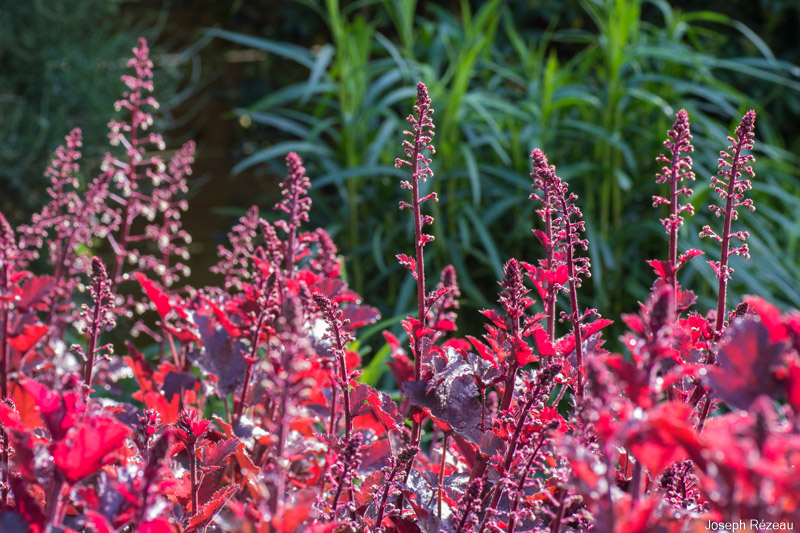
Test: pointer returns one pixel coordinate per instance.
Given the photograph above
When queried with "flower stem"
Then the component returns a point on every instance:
(92, 347)
(575, 316)
(193, 476)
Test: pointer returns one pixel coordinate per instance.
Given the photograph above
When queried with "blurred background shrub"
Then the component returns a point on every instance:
(58, 58)
(595, 83)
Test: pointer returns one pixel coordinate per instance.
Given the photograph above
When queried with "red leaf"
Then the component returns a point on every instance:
(596, 326)
(33, 293)
(401, 367)
(360, 315)
(687, 256)
(216, 454)
(9, 419)
(542, 236)
(26, 340)
(771, 318)
(26, 506)
(248, 468)
(87, 447)
(459, 345)
(168, 409)
(495, 317)
(635, 383)
(483, 350)
(207, 513)
(142, 371)
(524, 354)
(543, 344)
(793, 385)
(662, 437)
(26, 408)
(391, 340)
(409, 262)
(155, 294)
(159, 525)
(558, 276)
(292, 518)
(661, 268)
(59, 412)
(385, 409)
(445, 325)
(97, 523)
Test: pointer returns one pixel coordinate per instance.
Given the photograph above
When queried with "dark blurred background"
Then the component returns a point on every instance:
(594, 83)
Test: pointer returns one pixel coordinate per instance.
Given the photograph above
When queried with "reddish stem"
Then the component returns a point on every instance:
(726, 237)
(92, 347)
(673, 227)
(420, 259)
(555, 526)
(54, 507)
(193, 476)
(550, 298)
(121, 252)
(575, 316)
(512, 448)
(250, 363)
(385, 495)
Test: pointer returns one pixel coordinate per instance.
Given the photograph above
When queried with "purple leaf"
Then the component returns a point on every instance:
(747, 360)
(221, 354)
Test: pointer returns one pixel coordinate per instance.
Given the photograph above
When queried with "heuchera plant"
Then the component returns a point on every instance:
(250, 413)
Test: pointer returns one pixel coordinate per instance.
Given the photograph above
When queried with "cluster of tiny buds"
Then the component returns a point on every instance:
(336, 333)
(294, 189)
(732, 163)
(349, 461)
(681, 486)
(149, 422)
(559, 203)
(406, 455)
(422, 133)
(100, 292)
(543, 176)
(676, 169)
(8, 244)
(730, 185)
(468, 504)
(512, 298)
(234, 262)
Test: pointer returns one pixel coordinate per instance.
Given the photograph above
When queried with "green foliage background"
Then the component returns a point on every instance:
(595, 83)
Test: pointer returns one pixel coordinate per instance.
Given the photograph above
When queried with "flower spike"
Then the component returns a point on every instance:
(676, 169)
(730, 185)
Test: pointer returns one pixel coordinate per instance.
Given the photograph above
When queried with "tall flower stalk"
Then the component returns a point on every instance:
(546, 277)
(562, 238)
(130, 173)
(69, 222)
(730, 185)
(98, 318)
(295, 204)
(677, 168)
(421, 134)
(8, 253)
(339, 337)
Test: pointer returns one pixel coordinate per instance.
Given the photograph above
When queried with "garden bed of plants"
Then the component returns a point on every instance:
(132, 401)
